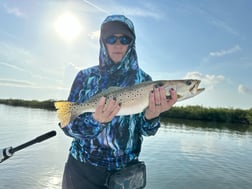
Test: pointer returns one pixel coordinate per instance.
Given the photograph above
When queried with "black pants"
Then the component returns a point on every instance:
(79, 175)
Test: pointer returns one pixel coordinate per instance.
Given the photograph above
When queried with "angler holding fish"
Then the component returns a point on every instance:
(110, 108)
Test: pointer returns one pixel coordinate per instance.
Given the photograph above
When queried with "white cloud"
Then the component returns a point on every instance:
(223, 25)
(22, 60)
(95, 35)
(12, 53)
(194, 75)
(96, 6)
(244, 90)
(12, 66)
(14, 11)
(226, 52)
(28, 84)
(16, 83)
(141, 12)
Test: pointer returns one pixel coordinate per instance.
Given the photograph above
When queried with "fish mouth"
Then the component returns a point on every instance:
(200, 90)
(195, 87)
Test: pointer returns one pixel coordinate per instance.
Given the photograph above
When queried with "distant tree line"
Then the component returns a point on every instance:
(225, 115)
(47, 104)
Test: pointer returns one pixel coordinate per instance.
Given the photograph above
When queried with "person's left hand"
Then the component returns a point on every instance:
(158, 102)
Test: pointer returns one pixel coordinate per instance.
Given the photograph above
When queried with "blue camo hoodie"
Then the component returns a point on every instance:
(118, 142)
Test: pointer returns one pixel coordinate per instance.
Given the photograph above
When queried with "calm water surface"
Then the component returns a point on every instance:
(178, 157)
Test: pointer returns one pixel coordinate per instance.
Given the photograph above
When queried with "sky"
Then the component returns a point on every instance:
(43, 44)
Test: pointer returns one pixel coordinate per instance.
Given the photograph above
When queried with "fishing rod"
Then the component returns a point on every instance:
(6, 153)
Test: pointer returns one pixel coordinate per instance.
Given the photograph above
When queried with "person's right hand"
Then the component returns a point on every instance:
(105, 112)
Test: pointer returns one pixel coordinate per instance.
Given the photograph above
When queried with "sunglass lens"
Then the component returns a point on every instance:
(111, 40)
(125, 40)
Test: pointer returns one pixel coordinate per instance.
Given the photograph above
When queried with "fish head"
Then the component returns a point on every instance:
(185, 88)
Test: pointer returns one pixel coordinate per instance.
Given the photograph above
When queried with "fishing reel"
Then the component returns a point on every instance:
(5, 153)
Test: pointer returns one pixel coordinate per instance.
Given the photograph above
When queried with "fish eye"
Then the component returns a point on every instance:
(158, 85)
(188, 82)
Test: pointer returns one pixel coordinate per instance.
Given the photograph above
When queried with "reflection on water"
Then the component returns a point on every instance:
(51, 180)
(191, 155)
(40, 165)
(211, 126)
(183, 154)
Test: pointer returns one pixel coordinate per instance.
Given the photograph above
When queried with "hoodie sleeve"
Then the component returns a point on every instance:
(148, 127)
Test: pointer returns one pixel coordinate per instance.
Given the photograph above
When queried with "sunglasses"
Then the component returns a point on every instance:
(124, 40)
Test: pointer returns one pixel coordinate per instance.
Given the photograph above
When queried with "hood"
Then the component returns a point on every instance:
(129, 62)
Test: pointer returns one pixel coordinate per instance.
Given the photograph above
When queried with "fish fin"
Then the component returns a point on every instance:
(64, 112)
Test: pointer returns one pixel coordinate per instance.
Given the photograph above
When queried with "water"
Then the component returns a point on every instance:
(179, 156)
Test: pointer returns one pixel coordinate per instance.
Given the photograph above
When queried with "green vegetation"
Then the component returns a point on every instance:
(47, 104)
(223, 115)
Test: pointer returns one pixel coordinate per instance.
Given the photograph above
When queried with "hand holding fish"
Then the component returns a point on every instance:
(106, 112)
(158, 102)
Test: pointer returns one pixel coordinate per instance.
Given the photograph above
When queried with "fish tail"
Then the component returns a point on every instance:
(64, 112)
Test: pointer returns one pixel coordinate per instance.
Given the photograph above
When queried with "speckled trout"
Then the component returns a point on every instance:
(133, 99)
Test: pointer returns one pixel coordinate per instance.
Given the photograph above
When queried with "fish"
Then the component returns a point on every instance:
(133, 99)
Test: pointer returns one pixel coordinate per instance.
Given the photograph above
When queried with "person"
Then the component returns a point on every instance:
(102, 141)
